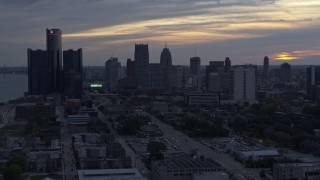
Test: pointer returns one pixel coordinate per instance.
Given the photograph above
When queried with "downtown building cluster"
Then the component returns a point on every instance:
(53, 71)
(219, 79)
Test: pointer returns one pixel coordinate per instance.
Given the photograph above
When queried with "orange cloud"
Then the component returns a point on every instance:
(294, 55)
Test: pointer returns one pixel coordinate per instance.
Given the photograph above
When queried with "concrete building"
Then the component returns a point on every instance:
(213, 82)
(154, 79)
(243, 81)
(201, 99)
(38, 72)
(266, 68)
(259, 154)
(195, 63)
(26, 111)
(227, 65)
(161, 107)
(285, 72)
(182, 167)
(313, 82)
(110, 174)
(296, 171)
(214, 67)
(211, 176)
(141, 57)
(111, 71)
(72, 73)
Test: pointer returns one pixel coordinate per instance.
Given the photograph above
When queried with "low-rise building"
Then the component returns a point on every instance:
(296, 171)
(110, 174)
(182, 167)
(201, 99)
(161, 107)
(45, 161)
(259, 154)
(25, 111)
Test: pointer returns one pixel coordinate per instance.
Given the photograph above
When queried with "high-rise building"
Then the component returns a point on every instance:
(243, 80)
(72, 73)
(54, 51)
(266, 68)
(213, 82)
(111, 71)
(227, 65)
(214, 67)
(165, 58)
(154, 80)
(285, 72)
(195, 63)
(38, 72)
(180, 76)
(131, 74)
(313, 82)
(141, 57)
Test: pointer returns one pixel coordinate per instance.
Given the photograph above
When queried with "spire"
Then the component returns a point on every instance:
(165, 45)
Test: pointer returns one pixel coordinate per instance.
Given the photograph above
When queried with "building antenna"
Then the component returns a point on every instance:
(195, 51)
(165, 44)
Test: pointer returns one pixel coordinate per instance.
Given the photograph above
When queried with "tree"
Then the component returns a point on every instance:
(12, 172)
(21, 162)
(155, 147)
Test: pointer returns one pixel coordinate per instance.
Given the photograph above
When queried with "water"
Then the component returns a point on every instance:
(12, 87)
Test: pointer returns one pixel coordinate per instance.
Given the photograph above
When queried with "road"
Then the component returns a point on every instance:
(187, 145)
(69, 170)
(136, 159)
(6, 114)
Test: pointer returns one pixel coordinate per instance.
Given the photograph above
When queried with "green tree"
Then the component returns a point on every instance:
(262, 173)
(12, 172)
(19, 161)
(155, 147)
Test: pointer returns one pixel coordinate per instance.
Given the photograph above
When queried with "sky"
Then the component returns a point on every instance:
(244, 30)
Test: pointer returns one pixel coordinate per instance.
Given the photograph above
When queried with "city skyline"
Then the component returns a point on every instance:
(245, 31)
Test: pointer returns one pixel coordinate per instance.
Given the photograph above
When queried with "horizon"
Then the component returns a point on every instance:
(245, 31)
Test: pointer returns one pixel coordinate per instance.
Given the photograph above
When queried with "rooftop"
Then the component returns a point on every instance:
(110, 174)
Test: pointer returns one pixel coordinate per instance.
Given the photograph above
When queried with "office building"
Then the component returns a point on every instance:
(141, 57)
(54, 51)
(182, 167)
(296, 171)
(213, 82)
(72, 73)
(266, 68)
(38, 72)
(131, 74)
(195, 63)
(26, 111)
(154, 77)
(201, 99)
(180, 77)
(285, 72)
(227, 65)
(243, 81)
(313, 82)
(111, 71)
(214, 67)
(165, 58)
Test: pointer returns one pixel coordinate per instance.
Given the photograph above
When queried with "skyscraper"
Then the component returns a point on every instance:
(54, 51)
(266, 68)
(72, 73)
(167, 70)
(111, 70)
(165, 58)
(227, 65)
(243, 81)
(195, 63)
(313, 82)
(141, 57)
(38, 72)
(214, 67)
(285, 72)
(131, 74)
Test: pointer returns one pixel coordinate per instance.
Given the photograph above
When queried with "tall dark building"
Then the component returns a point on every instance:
(38, 72)
(214, 67)
(167, 70)
(54, 51)
(165, 58)
(131, 74)
(72, 73)
(227, 65)
(195, 63)
(313, 82)
(266, 68)
(141, 57)
(285, 72)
